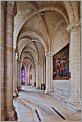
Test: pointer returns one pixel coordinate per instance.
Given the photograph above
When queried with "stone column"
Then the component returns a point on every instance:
(18, 74)
(51, 72)
(47, 90)
(75, 64)
(40, 75)
(33, 75)
(9, 108)
(14, 73)
(25, 76)
(49, 69)
(44, 70)
(28, 75)
(3, 115)
(37, 76)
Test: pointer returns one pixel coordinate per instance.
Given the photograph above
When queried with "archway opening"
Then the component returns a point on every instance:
(33, 59)
(26, 72)
(22, 75)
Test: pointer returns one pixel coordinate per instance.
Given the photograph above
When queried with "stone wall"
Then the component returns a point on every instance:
(62, 88)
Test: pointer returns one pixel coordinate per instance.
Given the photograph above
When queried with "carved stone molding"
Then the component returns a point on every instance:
(11, 7)
(3, 4)
(48, 53)
(74, 27)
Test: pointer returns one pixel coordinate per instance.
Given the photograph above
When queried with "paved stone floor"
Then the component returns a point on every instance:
(33, 106)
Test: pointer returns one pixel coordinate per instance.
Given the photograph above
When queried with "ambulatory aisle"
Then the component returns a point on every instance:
(34, 105)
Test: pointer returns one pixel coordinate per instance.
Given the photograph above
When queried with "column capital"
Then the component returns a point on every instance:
(11, 7)
(48, 53)
(74, 27)
(3, 4)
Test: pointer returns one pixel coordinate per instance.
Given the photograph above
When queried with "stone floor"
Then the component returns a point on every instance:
(33, 106)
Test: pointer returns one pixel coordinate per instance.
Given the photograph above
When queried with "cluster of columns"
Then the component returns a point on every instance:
(7, 21)
(3, 115)
(27, 73)
(7, 108)
(33, 74)
(18, 75)
(26, 76)
(14, 73)
(37, 70)
(39, 75)
(75, 38)
(49, 69)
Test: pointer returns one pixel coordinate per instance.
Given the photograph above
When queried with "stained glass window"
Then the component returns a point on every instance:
(23, 74)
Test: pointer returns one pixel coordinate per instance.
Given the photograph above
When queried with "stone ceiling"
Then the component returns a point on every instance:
(38, 21)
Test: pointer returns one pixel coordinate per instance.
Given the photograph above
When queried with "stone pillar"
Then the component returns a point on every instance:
(9, 108)
(33, 75)
(3, 115)
(40, 75)
(14, 73)
(75, 64)
(44, 70)
(18, 75)
(28, 75)
(49, 72)
(37, 76)
(47, 90)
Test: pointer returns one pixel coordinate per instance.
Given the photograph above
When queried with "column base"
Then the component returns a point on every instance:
(32, 85)
(14, 94)
(3, 115)
(11, 114)
(78, 105)
(51, 90)
(38, 87)
(46, 91)
(19, 88)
